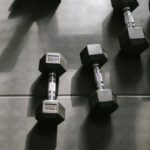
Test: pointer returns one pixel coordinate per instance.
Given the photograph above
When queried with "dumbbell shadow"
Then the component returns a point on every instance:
(112, 26)
(129, 68)
(35, 8)
(30, 12)
(8, 57)
(115, 132)
(38, 93)
(95, 134)
(82, 82)
(41, 137)
(147, 29)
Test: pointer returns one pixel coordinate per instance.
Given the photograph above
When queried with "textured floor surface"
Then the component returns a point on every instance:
(27, 31)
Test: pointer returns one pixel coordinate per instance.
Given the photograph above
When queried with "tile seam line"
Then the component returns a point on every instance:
(75, 95)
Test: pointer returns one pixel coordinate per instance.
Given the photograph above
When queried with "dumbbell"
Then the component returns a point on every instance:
(102, 102)
(51, 110)
(132, 40)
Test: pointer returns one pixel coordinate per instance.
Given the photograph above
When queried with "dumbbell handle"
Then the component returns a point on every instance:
(98, 77)
(128, 18)
(52, 86)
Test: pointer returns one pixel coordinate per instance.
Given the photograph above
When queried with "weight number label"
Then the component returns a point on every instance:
(51, 107)
(53, 58)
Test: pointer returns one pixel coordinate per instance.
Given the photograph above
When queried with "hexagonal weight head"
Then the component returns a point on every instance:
(133, 41)
(93, 53)
(53, 62)
(103, 103)
(50, 111)
(118, 5)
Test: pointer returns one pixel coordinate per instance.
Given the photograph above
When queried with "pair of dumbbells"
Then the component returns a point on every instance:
(132, 40)
(102, 102)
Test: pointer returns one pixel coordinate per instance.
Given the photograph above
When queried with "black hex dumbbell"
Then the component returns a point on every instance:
(132, 39)
(51, 110)
(102, 102)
